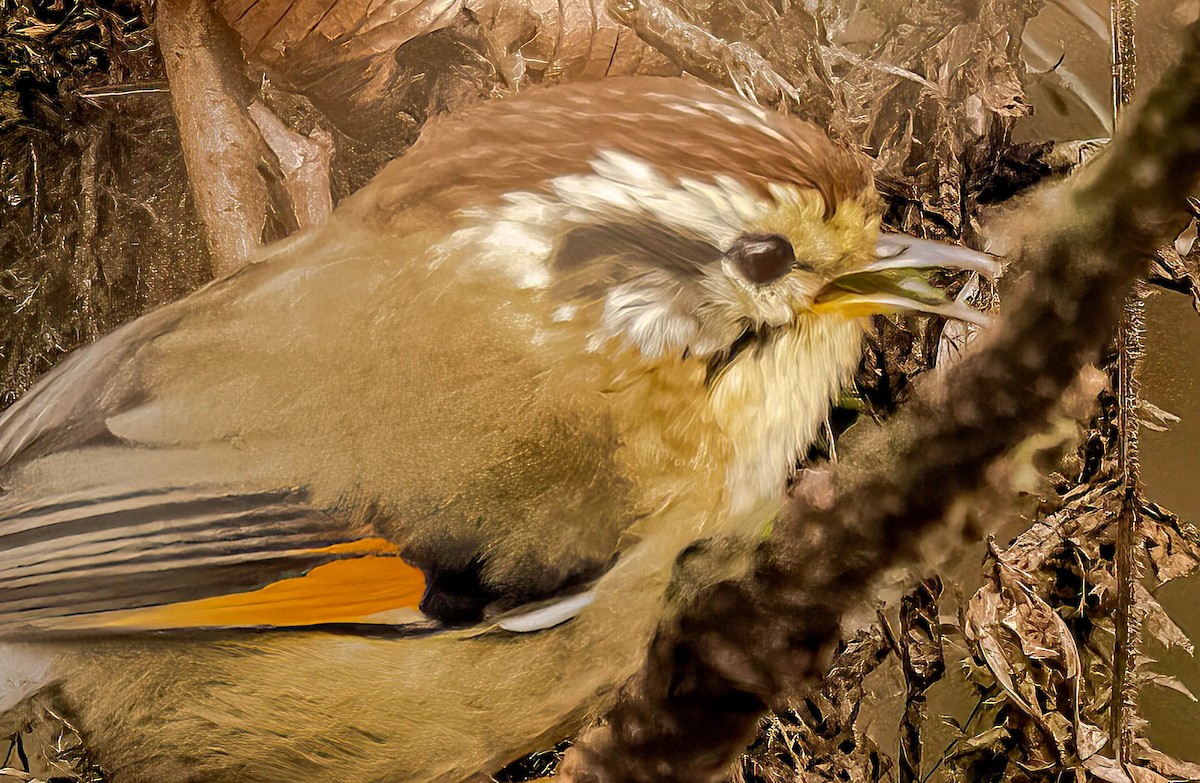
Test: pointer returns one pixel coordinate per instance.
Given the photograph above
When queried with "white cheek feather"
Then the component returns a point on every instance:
(638, 313)
(772, 404)
(621, 183)
(724, 196)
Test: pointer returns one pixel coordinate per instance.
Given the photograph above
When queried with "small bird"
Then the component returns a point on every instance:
(401, 501)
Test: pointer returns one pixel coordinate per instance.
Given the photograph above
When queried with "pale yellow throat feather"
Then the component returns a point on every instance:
(772, 404)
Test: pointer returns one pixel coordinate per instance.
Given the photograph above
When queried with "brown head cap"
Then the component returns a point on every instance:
(680, 126)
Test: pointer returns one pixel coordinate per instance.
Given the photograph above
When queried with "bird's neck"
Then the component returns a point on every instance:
(741, 436)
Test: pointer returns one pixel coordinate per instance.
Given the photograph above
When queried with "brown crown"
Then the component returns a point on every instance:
(680, 126)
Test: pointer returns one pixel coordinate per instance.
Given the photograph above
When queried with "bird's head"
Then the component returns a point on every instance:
(669, 217)
(701, 267)
(714, 262)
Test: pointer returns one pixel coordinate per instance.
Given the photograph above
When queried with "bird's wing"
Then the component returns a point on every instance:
(183, 559)
(101, 531)
(325, 437)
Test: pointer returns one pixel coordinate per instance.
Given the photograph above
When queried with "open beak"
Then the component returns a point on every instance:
(897, 281)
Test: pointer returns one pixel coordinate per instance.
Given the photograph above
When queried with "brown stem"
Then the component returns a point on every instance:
(921, 654)
(704, 55)
(739, 646)
(1129, 346)
(304, 163)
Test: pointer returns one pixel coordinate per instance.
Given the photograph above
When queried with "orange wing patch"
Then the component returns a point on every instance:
(378, 587)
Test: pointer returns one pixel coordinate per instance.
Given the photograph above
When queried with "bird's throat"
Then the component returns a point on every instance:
(732, 437)
(771, 402)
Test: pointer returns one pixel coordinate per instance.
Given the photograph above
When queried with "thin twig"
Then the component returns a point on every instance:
(84, 272)
(1130, 346)
(704, 55)
(35, 180)
(923, 664)
(123, 90)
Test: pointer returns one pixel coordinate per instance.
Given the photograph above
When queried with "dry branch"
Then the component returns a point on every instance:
(706, 56)
(222, 147)
(741, 646)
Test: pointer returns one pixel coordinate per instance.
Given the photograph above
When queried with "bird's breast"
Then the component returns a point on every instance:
(734, 441)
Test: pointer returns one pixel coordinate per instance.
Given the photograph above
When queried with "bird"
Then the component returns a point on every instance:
(406, 498)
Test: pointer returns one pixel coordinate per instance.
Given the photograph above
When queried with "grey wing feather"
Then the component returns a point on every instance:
(73, 544)
(79, 381)
(152, 548)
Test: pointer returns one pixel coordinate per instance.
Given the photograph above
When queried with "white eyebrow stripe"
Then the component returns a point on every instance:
(518, 236)
(623, 168)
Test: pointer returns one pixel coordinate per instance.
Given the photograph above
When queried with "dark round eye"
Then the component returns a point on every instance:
(762, 258)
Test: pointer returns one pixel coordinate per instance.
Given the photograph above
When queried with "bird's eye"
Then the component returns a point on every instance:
(762, 258)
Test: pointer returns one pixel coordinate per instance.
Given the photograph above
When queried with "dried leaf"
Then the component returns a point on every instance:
(1167, 765)
(1044, 636)
(1089, 740)
(1186, 239)
(1158, 623)
(1144, 775)
(992, 739)
(303, 42)
(1169, 682)
(1172, 545)
(1156, 418)
(1106, 769)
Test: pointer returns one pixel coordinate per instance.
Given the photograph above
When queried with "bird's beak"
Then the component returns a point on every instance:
(897, 281)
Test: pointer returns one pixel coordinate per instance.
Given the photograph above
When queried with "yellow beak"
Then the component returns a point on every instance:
(897, 281)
